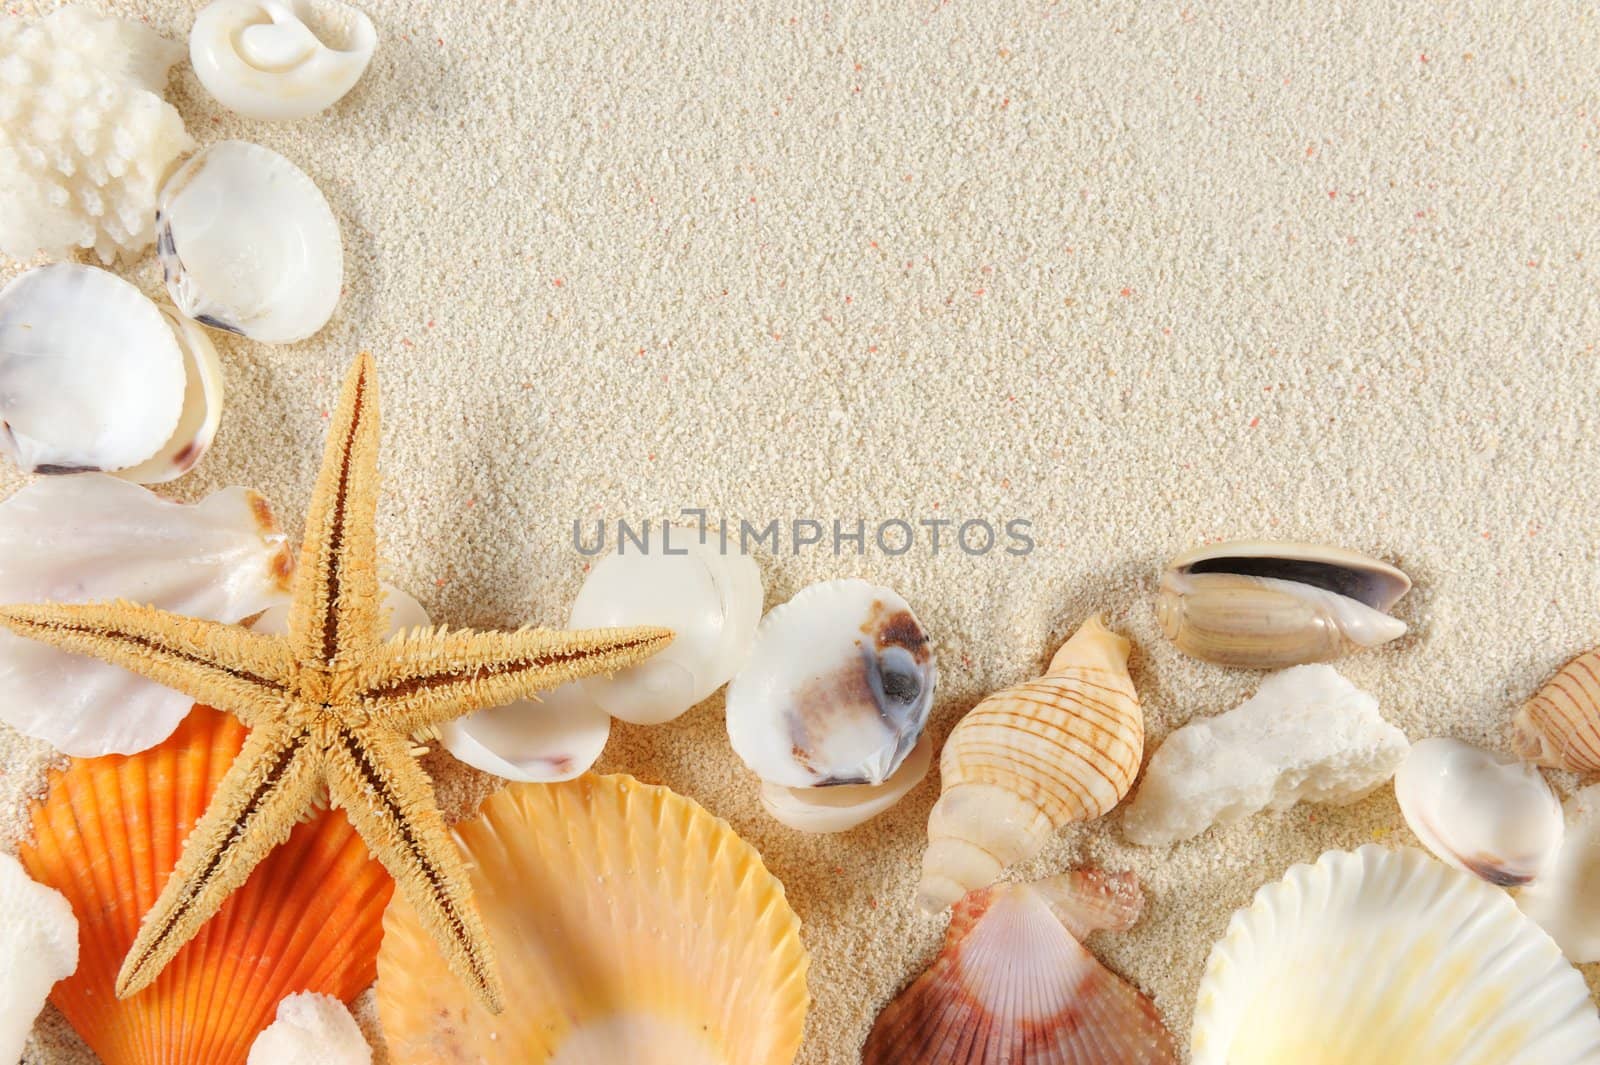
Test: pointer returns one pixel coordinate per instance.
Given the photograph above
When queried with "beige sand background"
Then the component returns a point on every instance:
(1147, 274)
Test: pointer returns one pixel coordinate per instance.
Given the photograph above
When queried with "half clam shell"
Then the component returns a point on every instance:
(91, 374)
(826, 810)
(249, 245)
(1492, 817)
(1263, 605)
(1564, 901)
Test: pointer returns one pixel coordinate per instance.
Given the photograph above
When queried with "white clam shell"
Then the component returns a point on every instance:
(827, 810)
(263, 60)
(202, 407)
(708, 594)
(556, 736)
(91, 374)
(836, 689)
(1565, 901)
(249, 244)
(91, 538)
(1387, 956)
(1493, 817)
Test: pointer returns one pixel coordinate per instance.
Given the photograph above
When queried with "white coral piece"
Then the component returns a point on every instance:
(311, 1029)
(38, 946)
(1307, 735)
(85, 138)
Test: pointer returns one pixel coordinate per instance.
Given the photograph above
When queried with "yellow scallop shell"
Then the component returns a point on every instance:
(629, 925)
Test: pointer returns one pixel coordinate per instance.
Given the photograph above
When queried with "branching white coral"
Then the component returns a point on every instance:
(311, 1029)
(38, 946)
(85, 138)
(1307, 735)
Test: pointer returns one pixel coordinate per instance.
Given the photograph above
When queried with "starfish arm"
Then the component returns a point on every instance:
(336, 599)
(221, 665)
(388, 797)
(256, 805)
(424, 678)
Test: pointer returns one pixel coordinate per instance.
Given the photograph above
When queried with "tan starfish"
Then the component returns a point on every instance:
(329, 706)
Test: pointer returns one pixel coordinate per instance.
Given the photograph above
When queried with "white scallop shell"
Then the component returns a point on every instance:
(1388, 956)
(708, 595)
(262, 59)
(1493, 817)
(248, 244)
(91, 374)
(1564, 901)
(826, 810)
(836, 689)
(92, 537)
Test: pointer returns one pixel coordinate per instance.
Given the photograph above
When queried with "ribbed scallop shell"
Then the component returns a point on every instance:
(1560, 726)
(1013, 985)
(309, 919)
(1377, 956)
(1025, 761)
(629, 925)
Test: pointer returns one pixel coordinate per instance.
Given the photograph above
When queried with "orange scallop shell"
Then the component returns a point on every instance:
(310, 918)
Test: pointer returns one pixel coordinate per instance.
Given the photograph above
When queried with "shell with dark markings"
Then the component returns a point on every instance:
(836, 689)
(1262, 605)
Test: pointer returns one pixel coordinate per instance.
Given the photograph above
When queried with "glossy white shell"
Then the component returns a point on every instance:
(403, 612)
(710, 597)
(249, 245)
(262, 59)
(202, 407)
(836, 689)
(91, 538)
(556, 736)
(1565, 901)
(91, 374)
(38, 946)
(1492, 817)
(1377, 956)
(826, 810)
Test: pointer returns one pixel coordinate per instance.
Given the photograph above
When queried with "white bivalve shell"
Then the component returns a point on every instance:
(1375, 956)
(202, 407)
(38, 946)
(249, 245)
(263, 59)
(708, 595)
(92, 538)
(91, 374)
(311, 1029)
(1564, 900)
(85, 137)
(1307, 735)
(1492, 817)
(826, 810)
(836, 689)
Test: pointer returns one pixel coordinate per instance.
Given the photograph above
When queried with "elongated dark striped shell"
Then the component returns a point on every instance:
(1560, 726)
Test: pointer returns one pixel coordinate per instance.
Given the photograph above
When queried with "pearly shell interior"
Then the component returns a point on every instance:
(249, 245)
(707, 593)
(828, 810)
(91, 374)
(836, 689)
(202, 407)
(1493, 817)
(556, 736)
(1563, 900)
(263, 59)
